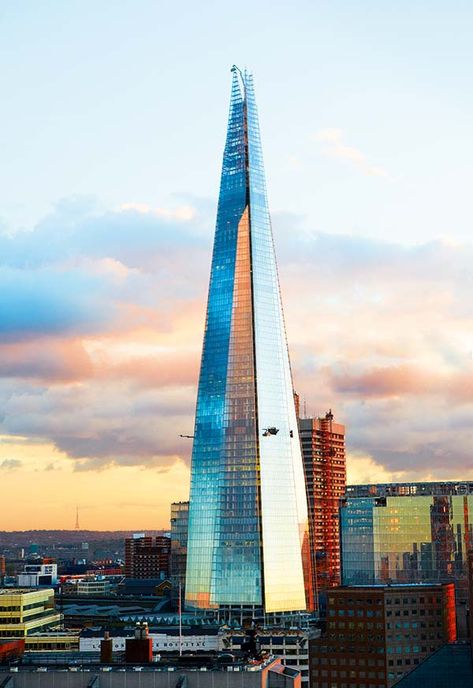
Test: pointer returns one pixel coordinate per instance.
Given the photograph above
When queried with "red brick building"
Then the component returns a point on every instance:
(323, 450)
(377, 634)
(147, 557)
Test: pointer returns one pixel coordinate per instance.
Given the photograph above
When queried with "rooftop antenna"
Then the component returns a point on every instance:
(77, 518)
(305, 408)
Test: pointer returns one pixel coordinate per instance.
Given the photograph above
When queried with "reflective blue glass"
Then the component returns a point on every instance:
(248, 511)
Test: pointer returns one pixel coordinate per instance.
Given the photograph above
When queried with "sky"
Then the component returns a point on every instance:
(112, 129)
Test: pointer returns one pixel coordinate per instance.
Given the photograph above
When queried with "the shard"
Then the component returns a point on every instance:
(248, 508)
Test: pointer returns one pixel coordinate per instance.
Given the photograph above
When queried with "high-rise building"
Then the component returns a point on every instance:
(147, 557)
(248, 508)
(179, 534)
(377, 634)
(323, 451)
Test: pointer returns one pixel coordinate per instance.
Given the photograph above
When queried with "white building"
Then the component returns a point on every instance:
(162, 642)
(36, 575)
(292, 646)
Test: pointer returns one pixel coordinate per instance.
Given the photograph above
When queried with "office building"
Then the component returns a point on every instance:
(179, 534)
(94, 586)
(147, 557)
(290, 645)
(408, 539)
(323, 451)
(411, 489)
(37, 575)
(248, 508)
(377, 634)
(26, 611)
(450, 667)
(165, 639)
(3, 567)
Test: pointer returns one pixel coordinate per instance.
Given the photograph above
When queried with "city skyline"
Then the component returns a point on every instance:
(107, 200)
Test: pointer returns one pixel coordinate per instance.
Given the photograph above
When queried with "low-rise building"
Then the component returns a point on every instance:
(291, 645)
(93, 586)
(164, 640)
(25, 611)
(37, 575)
(267, 673)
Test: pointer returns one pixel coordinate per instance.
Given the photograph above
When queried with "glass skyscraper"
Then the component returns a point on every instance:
(248, 508)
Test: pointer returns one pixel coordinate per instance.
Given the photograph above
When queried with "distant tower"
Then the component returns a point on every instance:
(77, 518)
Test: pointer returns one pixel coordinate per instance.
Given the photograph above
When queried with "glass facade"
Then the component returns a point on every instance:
(406, 539)
(248, 508)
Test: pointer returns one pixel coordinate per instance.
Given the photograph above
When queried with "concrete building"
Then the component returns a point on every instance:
(25, 611)
(377, 634)
(268, 673)
(163, 640)
(323, 451)
(292, 646)
(52, 641)
(147, 557)
(37, 575)
(94, 586)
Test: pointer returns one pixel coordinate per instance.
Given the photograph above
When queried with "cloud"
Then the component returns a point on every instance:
(10, 464)
(335, 147)
(102, 332)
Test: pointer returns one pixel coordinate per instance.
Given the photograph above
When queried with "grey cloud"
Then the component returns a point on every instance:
(10, 464)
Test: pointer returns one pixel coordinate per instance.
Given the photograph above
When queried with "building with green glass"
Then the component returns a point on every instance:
(414, 538)
(248, 508)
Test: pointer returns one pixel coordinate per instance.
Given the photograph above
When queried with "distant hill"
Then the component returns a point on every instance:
(48, 537)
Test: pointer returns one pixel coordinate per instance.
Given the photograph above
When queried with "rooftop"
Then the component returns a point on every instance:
(413, 489)
(450, 666)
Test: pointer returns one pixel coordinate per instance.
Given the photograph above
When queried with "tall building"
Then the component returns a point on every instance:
(377, 634)
(147, 557)
(323, 451)
(179, 534)
(248, 508)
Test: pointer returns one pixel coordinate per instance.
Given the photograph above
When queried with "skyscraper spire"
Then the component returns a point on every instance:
(248, 509)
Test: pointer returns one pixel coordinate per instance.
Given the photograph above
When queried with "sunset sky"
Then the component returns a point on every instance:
(112, 129)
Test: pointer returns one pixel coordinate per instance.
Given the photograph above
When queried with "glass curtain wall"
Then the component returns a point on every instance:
(248, 512)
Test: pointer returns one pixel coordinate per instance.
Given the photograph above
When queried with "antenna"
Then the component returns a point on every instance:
(77, 518)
